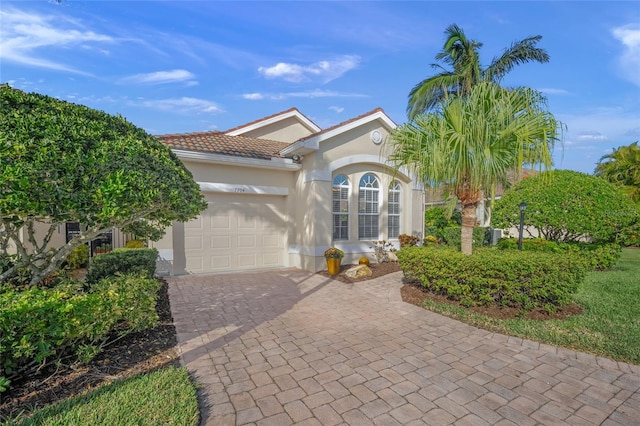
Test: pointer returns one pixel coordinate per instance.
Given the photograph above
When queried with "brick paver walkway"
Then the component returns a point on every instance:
(289, 347)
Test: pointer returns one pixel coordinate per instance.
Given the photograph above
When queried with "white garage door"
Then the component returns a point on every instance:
(236, 232)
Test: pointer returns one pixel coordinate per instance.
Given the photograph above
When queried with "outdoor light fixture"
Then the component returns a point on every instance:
(523, 207)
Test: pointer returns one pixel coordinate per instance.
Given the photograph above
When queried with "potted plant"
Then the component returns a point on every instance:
(334, 257)
(103, 248)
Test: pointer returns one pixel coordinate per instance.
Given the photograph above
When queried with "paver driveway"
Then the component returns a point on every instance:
(289, 347)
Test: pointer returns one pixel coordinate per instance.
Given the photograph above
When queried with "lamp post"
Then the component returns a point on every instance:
(523, 207)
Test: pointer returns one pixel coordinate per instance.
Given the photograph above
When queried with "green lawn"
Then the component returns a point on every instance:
(609, 326)
(164, 397)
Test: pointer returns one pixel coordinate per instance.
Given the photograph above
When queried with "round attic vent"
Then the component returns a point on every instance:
(376, 137)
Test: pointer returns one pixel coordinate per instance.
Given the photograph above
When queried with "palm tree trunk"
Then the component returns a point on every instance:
(468, 223)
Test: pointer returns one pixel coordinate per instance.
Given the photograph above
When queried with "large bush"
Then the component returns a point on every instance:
(123, 261)
(524, 280)
(41, 325)
(61, 162)
(564, 205)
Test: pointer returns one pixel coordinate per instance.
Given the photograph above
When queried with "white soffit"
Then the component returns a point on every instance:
(203, 157)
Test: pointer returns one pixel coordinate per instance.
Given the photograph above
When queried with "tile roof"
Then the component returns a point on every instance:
(220, 143)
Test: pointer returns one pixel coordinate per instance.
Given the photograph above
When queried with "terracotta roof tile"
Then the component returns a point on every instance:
(220, 143)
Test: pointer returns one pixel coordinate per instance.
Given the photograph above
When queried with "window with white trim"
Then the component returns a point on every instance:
(340, 208)
(368, 208)
(393, 210)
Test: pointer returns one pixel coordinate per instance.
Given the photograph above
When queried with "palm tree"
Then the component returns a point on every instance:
(470, 143)
(461, 54)
(622, 167)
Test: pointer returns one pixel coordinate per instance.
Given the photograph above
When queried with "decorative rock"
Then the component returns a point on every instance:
(359, 271)
(393, 257)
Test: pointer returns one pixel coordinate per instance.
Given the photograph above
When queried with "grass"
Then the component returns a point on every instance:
(164, 397)
(609, 326)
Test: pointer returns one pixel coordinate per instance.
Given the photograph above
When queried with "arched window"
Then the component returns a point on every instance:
(393, 210)
(340, 208)
(368, 208)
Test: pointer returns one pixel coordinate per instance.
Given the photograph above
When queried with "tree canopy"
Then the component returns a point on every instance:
(471, 143)
(462, 55)
(622, 168)
(61, 162)
(565, 205)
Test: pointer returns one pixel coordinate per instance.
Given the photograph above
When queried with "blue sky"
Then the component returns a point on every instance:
(175, 67)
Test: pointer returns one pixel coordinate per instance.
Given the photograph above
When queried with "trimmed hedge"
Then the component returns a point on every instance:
(597, 256)
(124, 261)
(42, 325)
(508, 278)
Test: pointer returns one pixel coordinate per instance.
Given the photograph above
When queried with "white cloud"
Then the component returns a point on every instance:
(162, 77)
(551, 91)
(309, 94)
(324, 70)
(253, 96)
(629, 61)
(336, 109)
(184, 105)
(26, 38)
(591, 136)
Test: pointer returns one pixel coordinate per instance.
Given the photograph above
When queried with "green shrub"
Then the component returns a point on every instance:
(124, 261)
(433, 231)
(41, 325)
(452, 236)
(79, 257)
(506, 277)
(565, 205)
(597, 256)
(531, 244)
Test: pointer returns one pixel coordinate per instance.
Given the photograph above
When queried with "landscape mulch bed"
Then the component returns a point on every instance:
(136, 353)
(156, 348)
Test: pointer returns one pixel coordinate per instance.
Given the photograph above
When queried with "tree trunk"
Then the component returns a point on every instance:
(468, 223)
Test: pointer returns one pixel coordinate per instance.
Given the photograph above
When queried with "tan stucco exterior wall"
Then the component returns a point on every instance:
(308, 198)
(352, 154)
(286, 130)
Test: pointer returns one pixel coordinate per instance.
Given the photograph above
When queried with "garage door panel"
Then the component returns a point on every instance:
(220, 222)
(194, 263)
(271, 259)
(220, 262)
(220, 242)
(247, 260)
(236, 232)
(193, 242)
(194, 223)
(271, 241)
(247, 242)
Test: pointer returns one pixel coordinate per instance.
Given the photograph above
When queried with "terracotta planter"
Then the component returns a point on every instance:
(333, 266)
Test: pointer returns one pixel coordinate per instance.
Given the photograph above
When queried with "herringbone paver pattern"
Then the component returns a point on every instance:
(289, 347)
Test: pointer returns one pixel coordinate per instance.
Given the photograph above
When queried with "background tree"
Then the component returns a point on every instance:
(471, 143)
(622, 168)
(462, 56)
(565, 205)
(61, 162)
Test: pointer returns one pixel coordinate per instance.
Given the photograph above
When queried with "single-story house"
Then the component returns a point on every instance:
(281, 190)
